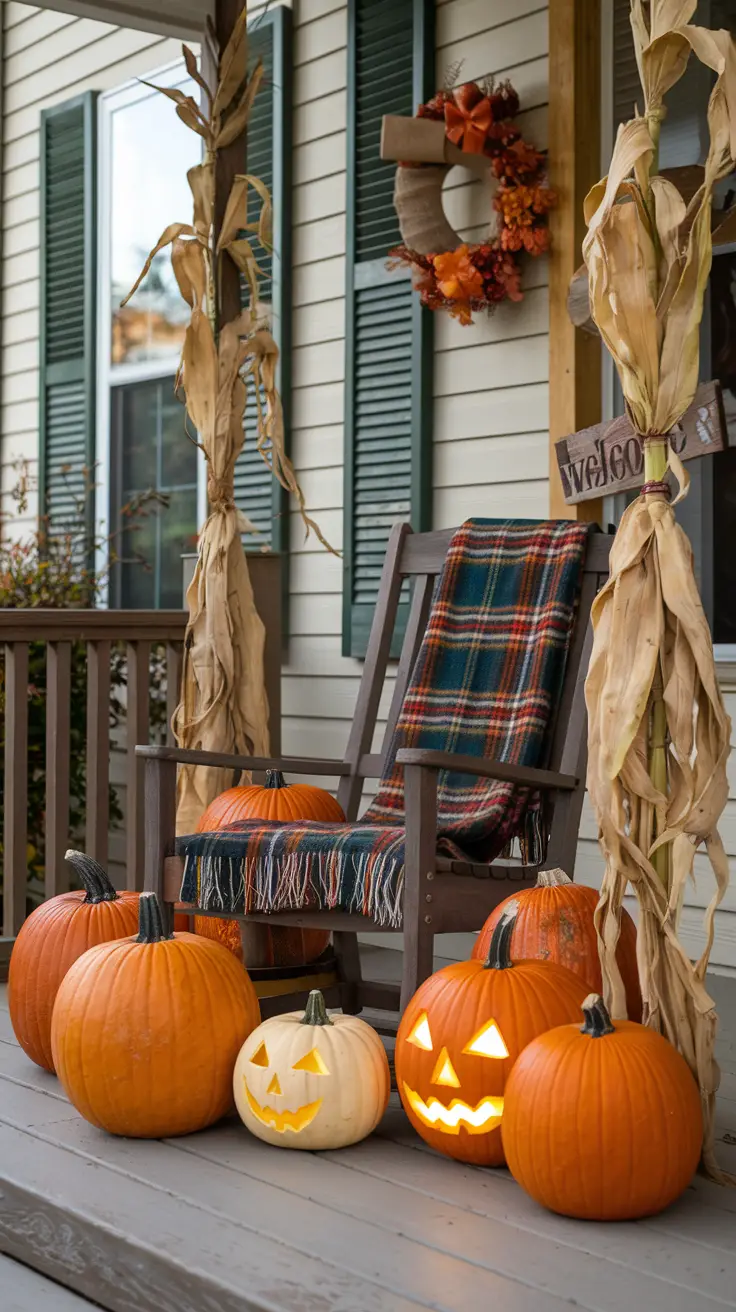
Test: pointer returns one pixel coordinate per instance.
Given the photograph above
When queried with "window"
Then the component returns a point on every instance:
(707, 514)
(143, 444)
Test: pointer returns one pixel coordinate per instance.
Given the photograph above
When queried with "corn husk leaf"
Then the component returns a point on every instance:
(648, 258)
(232, 65)
(239, 116)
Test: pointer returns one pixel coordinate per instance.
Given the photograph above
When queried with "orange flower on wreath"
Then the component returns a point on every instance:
(457, 277)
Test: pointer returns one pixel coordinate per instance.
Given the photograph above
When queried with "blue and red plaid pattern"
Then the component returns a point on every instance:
(487, 679)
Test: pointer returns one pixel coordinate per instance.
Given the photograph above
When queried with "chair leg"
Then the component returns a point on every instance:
(418, 957)
(421, 844)
(160, 831)
(348, 965)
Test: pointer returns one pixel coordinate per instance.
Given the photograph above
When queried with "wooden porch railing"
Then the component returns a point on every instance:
(99, 630)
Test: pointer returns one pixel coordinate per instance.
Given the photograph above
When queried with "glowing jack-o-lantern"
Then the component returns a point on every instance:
(462, 1032)
(311, 1080)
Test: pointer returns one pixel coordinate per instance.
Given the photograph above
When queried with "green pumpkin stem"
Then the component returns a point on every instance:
(315, 1012)
(499, 950)
(597, 1018)
(275, 779)
(151, 920)
(96, 885)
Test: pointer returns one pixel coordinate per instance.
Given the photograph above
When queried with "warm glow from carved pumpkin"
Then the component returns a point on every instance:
(311, 1081)
(462, 1032)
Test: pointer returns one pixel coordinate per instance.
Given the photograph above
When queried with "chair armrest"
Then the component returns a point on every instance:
(294, 764)
(523, 775)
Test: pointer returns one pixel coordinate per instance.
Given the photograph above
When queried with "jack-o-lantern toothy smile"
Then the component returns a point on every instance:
(282, 1121)
(485, 1116)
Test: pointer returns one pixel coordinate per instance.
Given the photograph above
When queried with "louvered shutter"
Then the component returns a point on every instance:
(67, 321)
(257, 492)
(388, 369)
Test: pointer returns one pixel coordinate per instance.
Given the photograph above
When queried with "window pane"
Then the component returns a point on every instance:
(151, 151)
(177, 528)
(152, 453)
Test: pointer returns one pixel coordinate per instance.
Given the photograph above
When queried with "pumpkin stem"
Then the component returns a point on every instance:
(597, 1018)
(151, 922)
(97, 886)
(275, 779)
(315, 1012)
(552, 878)
(499, 951)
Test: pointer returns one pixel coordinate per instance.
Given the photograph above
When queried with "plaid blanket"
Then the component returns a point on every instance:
(488, 675)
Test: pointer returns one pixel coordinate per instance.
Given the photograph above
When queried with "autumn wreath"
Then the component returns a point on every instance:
(479, 130)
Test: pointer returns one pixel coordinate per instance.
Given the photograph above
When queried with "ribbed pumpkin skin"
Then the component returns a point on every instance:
(278, 801)
(49, 942)
(145, 1035)
(286, 803)
(602, 1129)
(287, 947)
(459, 1000)
(353, 1094)
(556, 924)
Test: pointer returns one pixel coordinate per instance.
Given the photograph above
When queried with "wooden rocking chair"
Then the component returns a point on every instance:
(440, 895)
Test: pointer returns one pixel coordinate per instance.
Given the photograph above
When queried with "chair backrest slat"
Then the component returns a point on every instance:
(415, 628)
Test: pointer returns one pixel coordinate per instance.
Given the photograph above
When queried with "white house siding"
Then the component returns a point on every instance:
(48, 57)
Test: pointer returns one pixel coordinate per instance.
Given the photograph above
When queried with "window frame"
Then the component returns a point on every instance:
(110, 376)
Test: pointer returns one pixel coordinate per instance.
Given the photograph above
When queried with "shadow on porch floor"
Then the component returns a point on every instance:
(219, 1222)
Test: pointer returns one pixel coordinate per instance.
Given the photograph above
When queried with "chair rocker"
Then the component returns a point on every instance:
(440, 895)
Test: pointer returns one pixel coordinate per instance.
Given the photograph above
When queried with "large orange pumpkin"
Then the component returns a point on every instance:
(146, 1031)
(602, 1123)
(276, 800)
(460, 1036)
(52, 939)
(555, 923)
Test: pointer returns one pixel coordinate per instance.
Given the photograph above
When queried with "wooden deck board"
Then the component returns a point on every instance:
(23, 1290)
(219, 1222)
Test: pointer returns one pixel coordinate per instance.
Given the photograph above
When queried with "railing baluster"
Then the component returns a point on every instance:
(173, 680)
(15, 818)
(137, 731)
(97, 802)
(58, 746)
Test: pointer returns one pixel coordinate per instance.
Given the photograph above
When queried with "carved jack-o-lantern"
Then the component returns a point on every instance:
(459, 1038)
(312, 1081)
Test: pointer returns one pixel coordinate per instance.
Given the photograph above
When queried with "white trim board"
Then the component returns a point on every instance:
(177, 18)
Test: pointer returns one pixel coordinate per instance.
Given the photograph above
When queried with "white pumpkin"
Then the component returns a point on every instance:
(312, 1081)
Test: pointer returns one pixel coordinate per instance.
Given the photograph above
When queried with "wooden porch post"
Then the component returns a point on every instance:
(574, 162)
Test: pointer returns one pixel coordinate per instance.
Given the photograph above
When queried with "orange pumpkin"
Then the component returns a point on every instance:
(603, 1122)
(146, 1031)
(277, 800)
(50, 941)
(460, 1036)
(555, 923)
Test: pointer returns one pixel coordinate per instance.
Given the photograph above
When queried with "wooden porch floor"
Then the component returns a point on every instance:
(219, 1222)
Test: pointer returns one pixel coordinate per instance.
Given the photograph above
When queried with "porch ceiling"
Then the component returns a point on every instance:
(179, 18)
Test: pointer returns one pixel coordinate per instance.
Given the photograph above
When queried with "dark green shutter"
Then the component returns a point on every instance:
(257, 492)
(388, 367)
(68, 319)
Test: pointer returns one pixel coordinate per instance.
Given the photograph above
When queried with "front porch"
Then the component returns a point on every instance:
(219, 1222)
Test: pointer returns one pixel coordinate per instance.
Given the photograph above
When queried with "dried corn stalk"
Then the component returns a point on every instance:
(658, 731)
(224, 706)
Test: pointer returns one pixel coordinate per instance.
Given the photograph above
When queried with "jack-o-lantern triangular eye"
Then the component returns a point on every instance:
(421, 1036)
(312, 1062)
(260, 1056)
(488, 1042)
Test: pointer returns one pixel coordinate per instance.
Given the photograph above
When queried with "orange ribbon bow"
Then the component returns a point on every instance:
(467, 123)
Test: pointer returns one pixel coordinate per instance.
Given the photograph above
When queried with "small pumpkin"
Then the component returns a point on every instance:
(461, 1034)
(50, 941)
(555, 923)
(603, 1122)
(276, 800)
(311, 1080)
(146, 1030)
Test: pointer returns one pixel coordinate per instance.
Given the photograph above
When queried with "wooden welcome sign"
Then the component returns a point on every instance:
(609, 457)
